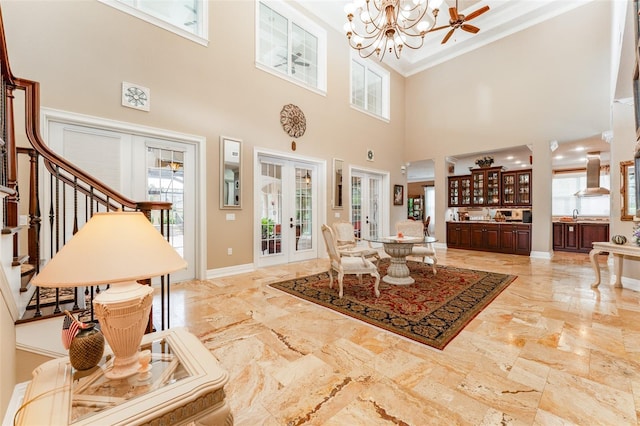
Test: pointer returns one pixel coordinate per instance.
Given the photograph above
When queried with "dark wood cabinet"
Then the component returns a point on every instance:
(491, 187)
(458, 235)
(495, 237)
(485, 186)
(578, 236)
(485, 236)
(516, 188)
(590, 233)
(515, 238)
(459, 191)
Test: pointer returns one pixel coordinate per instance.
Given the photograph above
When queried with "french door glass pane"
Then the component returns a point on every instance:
(374, 203)
(165, 182)
(271, 221)
(304, 217)
(356, 204)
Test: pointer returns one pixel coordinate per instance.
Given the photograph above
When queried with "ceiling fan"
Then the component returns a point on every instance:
(296, 59)
(458, 20)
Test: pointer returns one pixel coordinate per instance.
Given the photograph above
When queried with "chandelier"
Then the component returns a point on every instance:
(382, 26)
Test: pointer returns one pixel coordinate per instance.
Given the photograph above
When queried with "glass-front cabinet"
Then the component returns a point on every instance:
(486, 187)
(516, 188)
(459, 191)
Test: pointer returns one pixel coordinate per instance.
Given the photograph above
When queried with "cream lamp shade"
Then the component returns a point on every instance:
(116, 248)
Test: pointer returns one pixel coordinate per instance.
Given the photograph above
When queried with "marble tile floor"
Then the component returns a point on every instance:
(549, 350)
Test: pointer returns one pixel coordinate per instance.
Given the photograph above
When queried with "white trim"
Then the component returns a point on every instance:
(201, 38)
(230, 270)
(17, 398)
(200, 146)
(541, 255)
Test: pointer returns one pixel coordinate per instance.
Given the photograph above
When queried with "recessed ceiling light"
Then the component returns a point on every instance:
(509, 158)
(558, 157)
(518, 161)
(579, 148)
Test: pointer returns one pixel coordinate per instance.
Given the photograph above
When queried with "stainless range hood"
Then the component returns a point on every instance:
(593, 188)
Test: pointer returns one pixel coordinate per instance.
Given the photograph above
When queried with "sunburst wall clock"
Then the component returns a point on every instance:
(293, 121)
(136, 96)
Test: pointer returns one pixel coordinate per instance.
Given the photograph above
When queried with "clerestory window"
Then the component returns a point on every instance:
(187, 18)
(370, 88)
(290, 45)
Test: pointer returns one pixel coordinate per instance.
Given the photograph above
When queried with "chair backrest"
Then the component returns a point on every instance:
(410, 228)
(344, 233)
(427, 222)
(330, 244)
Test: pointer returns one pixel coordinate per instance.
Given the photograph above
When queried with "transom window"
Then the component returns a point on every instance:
(187, 18)
(566, 184)
(290, 45)
(370, 88)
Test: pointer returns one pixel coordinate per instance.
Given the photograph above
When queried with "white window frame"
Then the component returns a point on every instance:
(385, 89)
(201, 36)
(295, 17)
(579, 203)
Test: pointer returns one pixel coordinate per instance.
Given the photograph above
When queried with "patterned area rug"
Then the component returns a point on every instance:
(432, 311)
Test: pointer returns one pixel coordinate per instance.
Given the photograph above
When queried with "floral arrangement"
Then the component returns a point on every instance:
(636, 234)
(485, 161)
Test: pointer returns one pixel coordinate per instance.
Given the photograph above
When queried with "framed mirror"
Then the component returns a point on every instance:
(338, 170)
(627, 190)
(230, 173)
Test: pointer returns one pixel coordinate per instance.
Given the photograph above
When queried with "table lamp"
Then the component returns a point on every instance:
(115, 248)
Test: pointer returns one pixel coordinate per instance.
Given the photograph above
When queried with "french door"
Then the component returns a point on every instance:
(139, 167)
(366, 203)
(286, 211)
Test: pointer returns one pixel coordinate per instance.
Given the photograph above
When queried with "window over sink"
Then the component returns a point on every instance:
(564, 201)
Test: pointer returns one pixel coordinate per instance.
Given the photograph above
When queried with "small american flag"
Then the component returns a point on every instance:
(70, 328)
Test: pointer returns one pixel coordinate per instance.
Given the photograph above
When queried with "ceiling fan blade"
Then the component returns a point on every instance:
(453, 12)
(476, 13)
(470, 28)
(448, 36)
(439, 28)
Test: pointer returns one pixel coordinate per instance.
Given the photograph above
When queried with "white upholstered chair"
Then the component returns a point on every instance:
(415, 228)
(348, 242)
(347, 264)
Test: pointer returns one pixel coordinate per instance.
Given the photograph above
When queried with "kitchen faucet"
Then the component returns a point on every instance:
(575, 214)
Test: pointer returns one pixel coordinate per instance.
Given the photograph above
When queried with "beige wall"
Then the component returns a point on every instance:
(81, 51)
(548, 82)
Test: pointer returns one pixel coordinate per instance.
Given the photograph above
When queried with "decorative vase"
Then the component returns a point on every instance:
(86, 348)
(618, 239)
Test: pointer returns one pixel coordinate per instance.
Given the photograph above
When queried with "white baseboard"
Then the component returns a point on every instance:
(541, 255)
(230, 270)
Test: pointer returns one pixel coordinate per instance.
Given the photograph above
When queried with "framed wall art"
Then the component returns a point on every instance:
(398, 195)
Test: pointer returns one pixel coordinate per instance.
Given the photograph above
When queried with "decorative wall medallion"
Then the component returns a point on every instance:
(136, 96)
(370, 155)
(293, 121)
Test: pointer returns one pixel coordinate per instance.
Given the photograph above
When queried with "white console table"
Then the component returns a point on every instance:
(618, 251)
(185, 384)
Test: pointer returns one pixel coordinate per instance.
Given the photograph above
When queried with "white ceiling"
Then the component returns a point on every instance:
(504, 17)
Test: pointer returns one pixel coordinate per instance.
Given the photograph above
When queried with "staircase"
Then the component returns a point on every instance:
(70, 197)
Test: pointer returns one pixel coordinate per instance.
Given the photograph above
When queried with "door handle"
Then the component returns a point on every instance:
(290, 222)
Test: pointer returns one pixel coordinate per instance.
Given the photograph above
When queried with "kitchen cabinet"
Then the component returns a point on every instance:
(515, 238)
(485, 186)
(459, 191)
(516, 188)
(485, 236)
(458, 235)
(578, 236)
(512, 238)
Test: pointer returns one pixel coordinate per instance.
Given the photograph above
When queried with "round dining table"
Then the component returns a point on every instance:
(399, 248)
